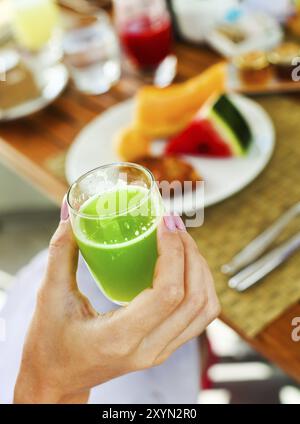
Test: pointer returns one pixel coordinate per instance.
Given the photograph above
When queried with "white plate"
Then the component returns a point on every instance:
(51, 82)
(93, 147)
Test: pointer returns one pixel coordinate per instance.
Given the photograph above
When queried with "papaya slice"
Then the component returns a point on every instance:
(130, 144)
(163, 112)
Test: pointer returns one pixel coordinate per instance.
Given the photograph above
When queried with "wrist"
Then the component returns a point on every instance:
(29, 391)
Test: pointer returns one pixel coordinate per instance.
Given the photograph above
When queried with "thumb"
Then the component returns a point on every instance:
(63, 252)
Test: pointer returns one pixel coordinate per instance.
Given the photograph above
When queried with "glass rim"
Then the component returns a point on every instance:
(141, 168)
(163, 10)
(72, 32)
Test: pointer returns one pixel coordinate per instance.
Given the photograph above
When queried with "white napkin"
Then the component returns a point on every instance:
(279, 9)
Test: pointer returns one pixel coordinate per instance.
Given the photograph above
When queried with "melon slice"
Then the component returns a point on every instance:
(162, 112)
(130, 144)
(218, 130)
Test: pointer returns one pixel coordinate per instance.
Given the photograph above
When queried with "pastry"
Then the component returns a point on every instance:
(170, 169)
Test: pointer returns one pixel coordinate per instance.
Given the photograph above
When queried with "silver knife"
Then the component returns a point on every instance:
(259, 245)
(259, 269)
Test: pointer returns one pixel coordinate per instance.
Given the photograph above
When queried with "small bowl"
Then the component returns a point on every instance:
(253, 67)
(282, 60)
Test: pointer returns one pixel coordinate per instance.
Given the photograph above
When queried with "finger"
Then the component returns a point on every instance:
(154, 305)
(210, 311)
(196, 294)
(63, 253)
(196, 328)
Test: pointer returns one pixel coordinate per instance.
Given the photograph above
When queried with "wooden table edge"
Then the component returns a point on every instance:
(36, 175)
(270, 339)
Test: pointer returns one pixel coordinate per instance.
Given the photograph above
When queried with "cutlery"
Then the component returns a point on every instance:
(253, 273)
(166, 71)
(260, 244)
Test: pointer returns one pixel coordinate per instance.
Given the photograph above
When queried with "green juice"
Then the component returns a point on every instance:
(116, 234)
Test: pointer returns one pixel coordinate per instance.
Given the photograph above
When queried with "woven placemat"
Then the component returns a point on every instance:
(229, 226)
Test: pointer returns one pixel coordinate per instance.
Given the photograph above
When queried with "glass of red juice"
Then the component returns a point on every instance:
(145, 31)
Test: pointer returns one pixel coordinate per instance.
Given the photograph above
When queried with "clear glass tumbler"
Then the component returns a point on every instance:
(92, 54)
(115, 210)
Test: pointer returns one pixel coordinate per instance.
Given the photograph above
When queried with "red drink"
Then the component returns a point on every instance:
(147, 43)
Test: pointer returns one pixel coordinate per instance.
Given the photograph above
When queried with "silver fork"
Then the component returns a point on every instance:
(260, 244)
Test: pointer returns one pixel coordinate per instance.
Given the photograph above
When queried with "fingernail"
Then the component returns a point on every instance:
(64, 211)
(179, 223)
(170, 223)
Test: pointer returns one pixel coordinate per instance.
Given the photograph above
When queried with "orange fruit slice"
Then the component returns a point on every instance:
(162, 112)
(131, 144)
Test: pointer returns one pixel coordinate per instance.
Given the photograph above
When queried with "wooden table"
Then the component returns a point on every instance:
(27, 145)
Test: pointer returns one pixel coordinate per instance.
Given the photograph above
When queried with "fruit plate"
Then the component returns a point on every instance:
(94, 147)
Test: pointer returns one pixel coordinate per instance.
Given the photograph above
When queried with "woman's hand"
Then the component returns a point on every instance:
(70, 348)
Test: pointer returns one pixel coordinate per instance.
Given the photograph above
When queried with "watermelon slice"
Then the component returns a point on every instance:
(218, 130)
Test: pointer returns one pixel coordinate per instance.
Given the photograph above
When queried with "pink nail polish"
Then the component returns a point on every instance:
(179, 223)
(64, 212)
(170, 223)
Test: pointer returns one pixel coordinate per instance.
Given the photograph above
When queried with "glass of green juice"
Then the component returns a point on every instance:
(114, 211)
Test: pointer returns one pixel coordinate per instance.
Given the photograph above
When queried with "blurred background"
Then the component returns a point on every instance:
(232, 371)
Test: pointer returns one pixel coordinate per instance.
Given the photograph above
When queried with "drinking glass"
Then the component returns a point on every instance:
(37, 30)
(92, 54)
(114, 211)
(145, 31)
